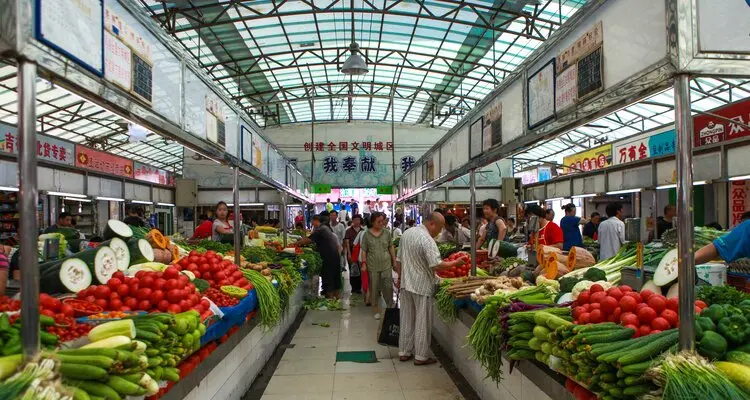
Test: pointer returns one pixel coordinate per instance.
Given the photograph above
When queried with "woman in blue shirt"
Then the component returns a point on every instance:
(730, 247)
(570, 227)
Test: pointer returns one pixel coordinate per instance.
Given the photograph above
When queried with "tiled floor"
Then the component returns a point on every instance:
(309, 370)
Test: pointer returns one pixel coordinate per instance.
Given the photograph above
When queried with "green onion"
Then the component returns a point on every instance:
(686, 375)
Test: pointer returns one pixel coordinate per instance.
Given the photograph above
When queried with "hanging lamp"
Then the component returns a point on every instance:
(355, 64)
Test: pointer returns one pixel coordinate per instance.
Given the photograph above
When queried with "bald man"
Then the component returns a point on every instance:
(418, 258)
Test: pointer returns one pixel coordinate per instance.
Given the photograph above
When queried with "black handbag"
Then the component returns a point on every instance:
(389, 328)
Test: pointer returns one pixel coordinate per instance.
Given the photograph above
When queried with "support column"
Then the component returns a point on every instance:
(237, 219)
(27, 202)
(686, 260)
(283, 216)
(473, 219)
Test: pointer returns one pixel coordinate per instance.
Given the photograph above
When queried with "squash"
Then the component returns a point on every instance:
(157, 240)
(162, 256)
(578, 257)
(253, 234)
(543, 251)
(666, 271)
(175, 252)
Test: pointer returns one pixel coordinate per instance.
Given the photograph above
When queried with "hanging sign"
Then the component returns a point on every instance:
(644, 147)
(118, 62)
(47, 148)
(147, 173)
(385, 189)
(529, 176)
(589, 160)
(544, 174)
(709, 129)
(588, 42)
(75, 28)
(492, 134)
(95, 160)
(320, 188)
(566, 89)
(348, 146)
(738, 201)
(723, 27)
(540, 94)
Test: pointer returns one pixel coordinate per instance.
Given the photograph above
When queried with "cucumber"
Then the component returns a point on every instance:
(82, 371)
(140, 251)
(94, 389)
(622, 334)
(118, 229)
(122, 253)
(637, 369)
(650, 350)
(125, 387)
(636, 390)
(97, 361)
(79, 394)
(633, 345)
(739, 358)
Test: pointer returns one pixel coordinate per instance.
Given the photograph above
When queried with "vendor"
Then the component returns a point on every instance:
(64, 220)
(221, 222)
(570, 225)
(495, 225)
(135, 217)
(549, 233)
(204, 229)
(730, 247)
(453, 232)
(327, 244)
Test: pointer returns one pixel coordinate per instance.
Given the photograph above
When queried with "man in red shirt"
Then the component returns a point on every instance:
(204, 229)
(549, 233)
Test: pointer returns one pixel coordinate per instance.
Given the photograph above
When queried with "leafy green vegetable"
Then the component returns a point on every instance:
(721, 295)
(595, 274)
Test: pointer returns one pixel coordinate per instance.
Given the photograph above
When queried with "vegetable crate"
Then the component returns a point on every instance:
(630, 278)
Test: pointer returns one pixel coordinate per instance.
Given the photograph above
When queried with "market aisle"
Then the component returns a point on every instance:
(309, 370)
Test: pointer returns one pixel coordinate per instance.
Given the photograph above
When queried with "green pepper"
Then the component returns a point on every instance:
(4, 323)
(716, 312)
(705, 323)
(732, 310)
(733, 328)
(712, 345)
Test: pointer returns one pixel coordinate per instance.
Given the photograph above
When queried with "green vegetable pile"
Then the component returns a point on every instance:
(446, 309)
(721, 295)
(269, 302)
(703, 236)
(322, 304)
(722, 328)
(687, 376)
(289, 278)
(447, 249)
(208, 244)
(255, 254)
(528, 332)
(313, 260)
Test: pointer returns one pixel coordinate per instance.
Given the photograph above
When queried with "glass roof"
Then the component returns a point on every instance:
(66, 116)
(653, 112)
(429, 61)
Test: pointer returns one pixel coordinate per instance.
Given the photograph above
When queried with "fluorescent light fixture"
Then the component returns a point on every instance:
(141, 202)
(674, 185)
(531, 202)
(698, 183)
(245, 204)
(165, 204)
(581, 196)
(626, 191)
(109, 198)
(8, 188)
(740, 178)
(77, 199)
(294, 205)
(64, 194)
(556, 199)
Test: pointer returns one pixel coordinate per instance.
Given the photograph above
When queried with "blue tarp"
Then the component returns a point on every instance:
(233, 316)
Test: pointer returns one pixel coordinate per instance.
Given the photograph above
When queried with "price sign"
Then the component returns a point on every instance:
(639, 259)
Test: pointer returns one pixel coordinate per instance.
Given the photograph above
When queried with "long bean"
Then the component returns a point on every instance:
(447, 310)
(269, 302)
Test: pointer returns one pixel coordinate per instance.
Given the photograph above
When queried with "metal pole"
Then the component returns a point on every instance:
(685, 262)
(284, 213)
(237, 230)
(28, 193)
(655, 210)
(473, 218)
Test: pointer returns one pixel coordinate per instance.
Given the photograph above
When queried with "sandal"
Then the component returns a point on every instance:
(425, 362)
(405, 358)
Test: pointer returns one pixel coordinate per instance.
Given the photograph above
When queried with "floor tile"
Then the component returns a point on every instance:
(385, 365)
(366, 382)
(310, 353)
(428, 379)
(306, 396)
(408, 366)
(315, 341)
(300, 384)
(304, 367)
(433, 394)
(382, 395)
(316, 331)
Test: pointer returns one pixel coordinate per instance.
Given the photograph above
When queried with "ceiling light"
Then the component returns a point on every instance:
(83, 196)
(670, 186)
(626, 191)
(141, 202)
(109, 198)
(739, 178)
(531, 202)
(77, 199)
(355, 64)
(580, 196)
(165, 204)
(556, 199)
(8, 188)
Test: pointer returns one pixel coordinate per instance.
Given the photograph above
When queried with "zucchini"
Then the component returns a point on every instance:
(94, 389)
(118, 229)
(79, 394)
(140, 251)
(125, 387)
(633, 345)
(650, 350)
(97, 361)
(82, 371)
(122, 253)
(64, 276)
(636, 390)
(123, 327)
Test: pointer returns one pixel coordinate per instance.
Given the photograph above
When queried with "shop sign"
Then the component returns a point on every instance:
(95, 160)
(348, 146)
(349, 164)
(320, 188)
(147, 173)
(544, 174)
(528, 177)
(738, 201)
(588, 42)
(47, 148)
(589, 160)
(709, 129)
(644, 147)
(566, 89)
(388, 189)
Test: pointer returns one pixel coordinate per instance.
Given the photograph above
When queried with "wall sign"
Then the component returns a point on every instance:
(147, 173)
(709, 129)
(246, 144)
(99, 161)
(142, 78)
(492, 134)
(475, 138)
(348, 146)
(47, 148)
(74, 28)
(589, 160)
(566, 89)
(588, 42)
(540, 90)
(643, 147)
(590, 74)
(723, 27)
(529, 176)
(544, 174)
(118, 62)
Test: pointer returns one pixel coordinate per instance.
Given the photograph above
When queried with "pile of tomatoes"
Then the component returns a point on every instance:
(8, 304)
(69, 332)
(645, 312)
(220, 298)
(53, 307)
(211, 267)
(168, 291)
(456, 272)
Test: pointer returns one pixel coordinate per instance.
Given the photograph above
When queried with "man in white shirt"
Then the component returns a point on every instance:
(339, 229)
(611, 232)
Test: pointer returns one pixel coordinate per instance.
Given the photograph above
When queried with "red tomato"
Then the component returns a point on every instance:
(101, 303)
(596, 316)
(115, 304)
(113, 283)
(171, 273)
(114, 295)
(191, 266)
(141, 274)
(645, 294)
(102, 292)
(68, 310)
(595, 306)
(640, 306)
(131, 302)
(657, 302)
(636, 296)
(184, 261)
(671, 317)
(119, 275)
(90, 299)
(697, 310)
(701, 304)
(144, 305)
(625, 288)
(596, 288)
(159, 284)
(143, 294)
(615, 292)
(597, 297)
(48, 313)
(646, 314)
(584, 297)
(673, 304)
(609, 304)
(205, 303)
(617, 313)
(183, 279)
(171, 284)
(174, 309)
(133, 287)
(654, 332)
(197, 274)
(660, 324)
(156, 296)
(628, 318)
(174, 296)
(206, 275)
(194, 259)
(644, 330)
(123, 290)
(586, 307)
(585, 318)
(628, 303)
(163, 306)
(147, 282)
(633, 327)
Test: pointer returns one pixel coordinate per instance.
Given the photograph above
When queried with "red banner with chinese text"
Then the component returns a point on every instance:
(709, 129)
(102, 162)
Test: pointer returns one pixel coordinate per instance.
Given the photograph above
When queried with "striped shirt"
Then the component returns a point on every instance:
(419, 255)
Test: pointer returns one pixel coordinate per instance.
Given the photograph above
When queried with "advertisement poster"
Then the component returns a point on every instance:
(566, 89)
(589, 160)
(529, 176)
(541, 95)
(95, 160)
(147, 173)
(545, 174)
(709, 129)
(47, 148)
(492, 133)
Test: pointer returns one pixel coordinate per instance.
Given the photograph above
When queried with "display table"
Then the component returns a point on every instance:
(529, 380)
(230, 370)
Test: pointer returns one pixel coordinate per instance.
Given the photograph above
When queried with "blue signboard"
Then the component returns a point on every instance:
(662, 144)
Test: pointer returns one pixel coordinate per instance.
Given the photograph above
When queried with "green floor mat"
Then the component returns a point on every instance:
(356, 356)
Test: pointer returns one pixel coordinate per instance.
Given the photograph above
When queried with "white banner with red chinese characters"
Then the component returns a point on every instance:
(738, 201)
(147, 173)
(47, 148)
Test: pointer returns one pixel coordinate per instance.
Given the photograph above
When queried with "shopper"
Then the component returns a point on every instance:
(664, 223)
(398, 219)
(378, 258)
(550, 215)
(339, 229)
(204, 229)
(589, 230)
(64, 220)
(549, 233)
(571, 227)
(357, 249)
(495, 225)
(611, 232)
(135, 217)
(730, 247)
(299, 219)
(366, 210)
(454, 232)
(328, 246)
(510, 223)
(418, 258)
(355, 207)
(355, 272)
(329, 205)
(221, 224)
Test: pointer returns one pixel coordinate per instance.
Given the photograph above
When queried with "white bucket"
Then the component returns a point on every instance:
(715, 274)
